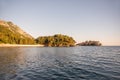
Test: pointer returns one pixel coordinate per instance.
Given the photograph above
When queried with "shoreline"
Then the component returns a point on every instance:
(20, 45)
(27, 45)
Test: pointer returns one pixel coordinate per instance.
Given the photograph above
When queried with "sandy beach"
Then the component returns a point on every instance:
(18, 45)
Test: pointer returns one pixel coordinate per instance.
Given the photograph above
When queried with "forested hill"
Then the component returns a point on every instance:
(12, 34)
(57, 40)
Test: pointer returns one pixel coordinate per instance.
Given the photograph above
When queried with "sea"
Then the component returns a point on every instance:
(60, 63)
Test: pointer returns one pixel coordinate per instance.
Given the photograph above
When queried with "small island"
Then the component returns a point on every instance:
(89, 43)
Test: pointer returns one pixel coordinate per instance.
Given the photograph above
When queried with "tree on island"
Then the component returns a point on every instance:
(57, 40)
(89, 43)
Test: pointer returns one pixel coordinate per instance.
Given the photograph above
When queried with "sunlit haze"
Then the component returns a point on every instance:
(82, 19)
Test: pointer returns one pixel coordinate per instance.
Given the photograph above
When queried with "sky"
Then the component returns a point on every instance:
(81, 19)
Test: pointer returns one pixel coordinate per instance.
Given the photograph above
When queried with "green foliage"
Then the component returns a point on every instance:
(57, 40)
(8, 36)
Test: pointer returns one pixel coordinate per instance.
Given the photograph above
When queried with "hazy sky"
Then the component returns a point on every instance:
(81, 19)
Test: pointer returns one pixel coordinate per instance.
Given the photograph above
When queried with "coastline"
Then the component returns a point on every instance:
(20, 45)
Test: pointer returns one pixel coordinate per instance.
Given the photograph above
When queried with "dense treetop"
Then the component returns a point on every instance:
(57, 40)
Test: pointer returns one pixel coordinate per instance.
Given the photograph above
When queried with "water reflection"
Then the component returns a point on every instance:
(18, 60)
(48, 57)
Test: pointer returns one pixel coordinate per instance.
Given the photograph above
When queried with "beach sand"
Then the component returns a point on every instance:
(18, 45)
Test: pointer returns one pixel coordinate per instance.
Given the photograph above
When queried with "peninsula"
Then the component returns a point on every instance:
(13, 35)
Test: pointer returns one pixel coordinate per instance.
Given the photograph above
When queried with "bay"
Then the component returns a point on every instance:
(60, 63)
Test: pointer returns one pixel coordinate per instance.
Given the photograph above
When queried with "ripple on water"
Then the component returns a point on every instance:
(78, 63)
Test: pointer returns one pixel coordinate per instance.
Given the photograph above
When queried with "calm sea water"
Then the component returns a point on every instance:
(51, 63)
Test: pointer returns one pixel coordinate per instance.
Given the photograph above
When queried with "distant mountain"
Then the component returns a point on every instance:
(12, 34)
